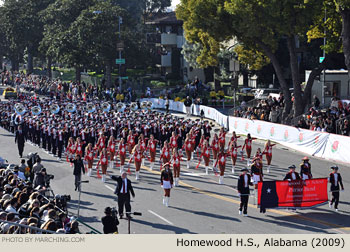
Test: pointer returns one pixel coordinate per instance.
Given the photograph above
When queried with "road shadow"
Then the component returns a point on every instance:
(287, 221)
(100, 195)
(207, 214)
(176, 230)
(143, 188)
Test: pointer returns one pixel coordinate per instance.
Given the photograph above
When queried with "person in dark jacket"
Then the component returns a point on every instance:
(110, 222)
(336, 182)
(292, 174)
(40, 178)
(123, 190)
(20, 140)
(188, 104)
(78, 169)
(243, 184)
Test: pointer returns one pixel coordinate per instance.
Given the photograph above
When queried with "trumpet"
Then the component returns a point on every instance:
(133, 106)
(106, 107)
(144, 104)
(71, 108)
(54, 108)
(120, 106)
(20, 109)
(36, 110)
(149, 105)
(90, 107)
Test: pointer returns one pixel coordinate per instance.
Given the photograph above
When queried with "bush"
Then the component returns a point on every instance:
(177, 99)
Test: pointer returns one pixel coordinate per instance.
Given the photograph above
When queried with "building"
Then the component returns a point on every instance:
(336, 85)
(168, 38)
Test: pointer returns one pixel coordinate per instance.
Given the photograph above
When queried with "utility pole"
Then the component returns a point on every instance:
(324, 55)
(120, 56)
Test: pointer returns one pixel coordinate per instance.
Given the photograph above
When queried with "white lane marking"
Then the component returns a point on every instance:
(160, 217)
(192, 174)
(232, 176)
(109, 188)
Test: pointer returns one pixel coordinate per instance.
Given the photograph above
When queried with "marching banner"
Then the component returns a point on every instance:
(307, 141)
(292, 194)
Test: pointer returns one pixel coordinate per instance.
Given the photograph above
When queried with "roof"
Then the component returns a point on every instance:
(165, 18)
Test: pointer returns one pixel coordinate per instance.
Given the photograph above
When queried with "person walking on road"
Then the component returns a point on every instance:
(335, 179)
(78, 168)
(123, 190)
(166, 181)
(20, 140)
(243, 183)
(188, 104)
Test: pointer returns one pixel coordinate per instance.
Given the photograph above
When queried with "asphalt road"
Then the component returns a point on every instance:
(200, 204)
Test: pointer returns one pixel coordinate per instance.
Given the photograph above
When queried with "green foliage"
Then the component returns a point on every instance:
(254, 59)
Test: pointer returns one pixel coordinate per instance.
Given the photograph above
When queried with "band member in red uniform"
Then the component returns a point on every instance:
(137, 154)
(165, 154)
(221, 161)
(222, 136)
(193, 141)
(101, 142)
(166, 181)
(70, 149)
(305, 169)
(176, 161)
(131, 141)
(79, 147)
(206, 155)
(111, 151)
(188, 149)
(152, 146)
(233, 152)
(122, 154)
(248, 147)
(335, 179)
(89, 157)
(243, 183)
(268, 153)
(104, 163)
(233, 138)
(257, 174)
(292, 174)
(173, 140)
(215, 146)
(142, 142)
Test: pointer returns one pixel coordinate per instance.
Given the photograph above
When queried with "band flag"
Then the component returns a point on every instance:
(296, 194)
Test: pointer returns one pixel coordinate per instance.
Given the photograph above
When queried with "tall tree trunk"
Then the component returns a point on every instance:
(208, 74)
(13, 63)
(109, 74)
(345, 14)
(314, 73)
(217, 83)
(277, 66)
(30, 62)
(298, 100)
(77, 74)
(48, 70)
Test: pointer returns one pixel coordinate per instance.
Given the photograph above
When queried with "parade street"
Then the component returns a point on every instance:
(199, 204)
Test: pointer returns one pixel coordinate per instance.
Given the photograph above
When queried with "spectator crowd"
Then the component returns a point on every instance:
(22, 203)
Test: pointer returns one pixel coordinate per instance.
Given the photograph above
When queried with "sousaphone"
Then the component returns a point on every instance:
(54, 108)
(71, 108)
(36, 110)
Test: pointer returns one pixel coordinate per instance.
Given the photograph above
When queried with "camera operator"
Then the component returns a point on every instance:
(40, 178)
(110, 222)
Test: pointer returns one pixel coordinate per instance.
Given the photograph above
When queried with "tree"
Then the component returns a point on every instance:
(58, 41)
(343, 7)
(257, 24)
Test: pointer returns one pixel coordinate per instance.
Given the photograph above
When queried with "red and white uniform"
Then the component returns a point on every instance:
(79, 149)
(103, 160)
(138, 156)
(173, 142)
(176, 161)
(90, 154)
(111, 147)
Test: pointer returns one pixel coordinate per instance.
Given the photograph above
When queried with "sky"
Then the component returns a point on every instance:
(175, 2)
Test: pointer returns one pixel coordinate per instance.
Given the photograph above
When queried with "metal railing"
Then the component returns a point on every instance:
(20, 226)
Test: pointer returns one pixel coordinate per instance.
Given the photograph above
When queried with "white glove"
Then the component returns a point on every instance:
(239, 195)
